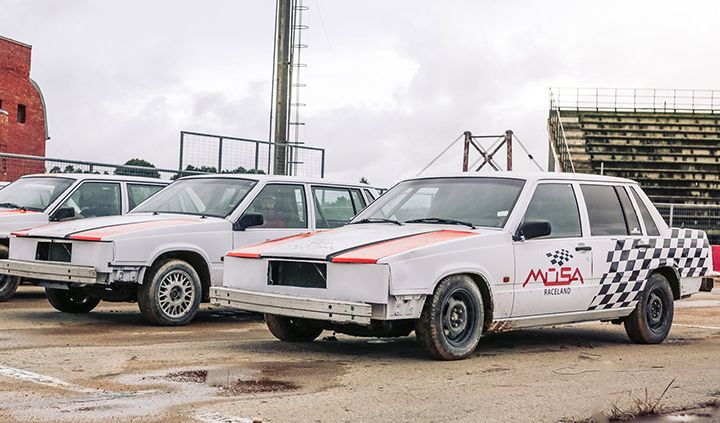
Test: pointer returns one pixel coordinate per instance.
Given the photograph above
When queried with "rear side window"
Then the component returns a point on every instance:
(556, 204)
(282, 206)
(604, 210)
(137, 193)
(334, 207)
(650, 226)
(369, 195)
(632, 222)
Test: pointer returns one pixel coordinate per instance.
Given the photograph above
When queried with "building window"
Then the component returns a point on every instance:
(21, 113)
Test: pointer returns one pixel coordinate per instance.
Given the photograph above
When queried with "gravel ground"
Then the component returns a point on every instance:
(226, 367)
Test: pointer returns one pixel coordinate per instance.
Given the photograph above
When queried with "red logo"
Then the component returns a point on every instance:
(555, 277)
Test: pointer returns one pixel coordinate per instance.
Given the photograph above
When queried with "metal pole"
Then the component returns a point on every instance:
(282, 85)
(466, 150)
(322, 164)
(219, 168)
(182, 143)
(672, 212)
(508, 145)
(257, 154)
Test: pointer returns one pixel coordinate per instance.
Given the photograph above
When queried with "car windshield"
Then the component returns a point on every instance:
(33, 193)
(485, 202)
(199, 196)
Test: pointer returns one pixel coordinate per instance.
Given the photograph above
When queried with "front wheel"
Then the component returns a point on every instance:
(451, 321)
(170, 294)
(8, 286)
(72, 300)
(292, 329)
(652, 318)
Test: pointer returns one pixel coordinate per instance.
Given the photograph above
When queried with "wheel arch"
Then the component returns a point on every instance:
(197, 260)
(673, 276)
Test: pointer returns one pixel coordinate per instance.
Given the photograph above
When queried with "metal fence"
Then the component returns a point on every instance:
(13, 166)
(636, 99)
(221, 153)
(694, 216)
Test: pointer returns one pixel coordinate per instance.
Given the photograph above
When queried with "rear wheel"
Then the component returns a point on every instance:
(170, 294)
(652, 318)
(292, 329)
(72, 300)
(8, 286)
(451, 321)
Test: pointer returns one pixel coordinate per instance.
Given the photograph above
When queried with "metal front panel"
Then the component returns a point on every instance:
(49, 271)
(287, 305)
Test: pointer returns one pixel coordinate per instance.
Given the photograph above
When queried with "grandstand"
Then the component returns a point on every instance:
(667, 140)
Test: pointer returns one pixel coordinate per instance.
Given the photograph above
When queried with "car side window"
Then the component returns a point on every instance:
(370, 195)
(95, 199)
(358, 200)
(281, 205)
(555, 203)
(334, 207)
(137, 193)
(604, 210)
(631, 219)
(650, 226)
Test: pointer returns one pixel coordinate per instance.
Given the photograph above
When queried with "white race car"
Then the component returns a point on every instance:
(35, 200)
(169, 251)
(455, 257)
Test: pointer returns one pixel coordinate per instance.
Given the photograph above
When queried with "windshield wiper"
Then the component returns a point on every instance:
(441, 221)
(11, 206)
(376, 220)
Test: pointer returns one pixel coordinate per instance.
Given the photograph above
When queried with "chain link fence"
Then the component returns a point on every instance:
(694, 216)
(220, 153)
(13, 166)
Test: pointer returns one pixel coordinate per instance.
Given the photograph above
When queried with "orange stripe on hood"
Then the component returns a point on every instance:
(255, 250)
(100, 233)
(374, 252)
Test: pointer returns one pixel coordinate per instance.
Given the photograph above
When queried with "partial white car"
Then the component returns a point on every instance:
(36, 200)
(455, 257)
(169, 251)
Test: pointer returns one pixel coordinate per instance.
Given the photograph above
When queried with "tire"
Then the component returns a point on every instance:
(8, 286)
(451, 322)
(72, 300)
(290, 329)
(652, 318)
(170, 294)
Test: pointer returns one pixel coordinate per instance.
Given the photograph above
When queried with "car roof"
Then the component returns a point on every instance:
(97, 176)
(276, 178)
(534, 176)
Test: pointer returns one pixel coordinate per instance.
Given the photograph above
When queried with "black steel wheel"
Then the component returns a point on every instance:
(73, 300)
(652, 318)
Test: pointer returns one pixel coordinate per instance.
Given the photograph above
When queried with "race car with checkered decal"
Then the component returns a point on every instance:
(455, 257)
(167, 252)
(34, 200)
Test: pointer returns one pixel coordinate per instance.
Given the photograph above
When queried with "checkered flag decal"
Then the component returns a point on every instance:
(559, 257)
(629, 265)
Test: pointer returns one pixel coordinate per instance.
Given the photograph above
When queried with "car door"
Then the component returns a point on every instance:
(616, 238)
(284, 210)
(551, 271)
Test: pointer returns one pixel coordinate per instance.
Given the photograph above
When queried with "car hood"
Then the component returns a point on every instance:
(116, 227)
(361, 243)
(16, 219)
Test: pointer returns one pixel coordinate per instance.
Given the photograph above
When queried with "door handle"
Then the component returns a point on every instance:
(643, 245)
(583, 248)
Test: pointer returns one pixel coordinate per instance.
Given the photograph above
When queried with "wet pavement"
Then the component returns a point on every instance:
(226, 367)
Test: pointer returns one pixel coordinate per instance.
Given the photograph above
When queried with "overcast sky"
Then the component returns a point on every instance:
(389, 83)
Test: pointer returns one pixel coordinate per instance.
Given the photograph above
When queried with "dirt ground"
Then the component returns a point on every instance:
(226, 367)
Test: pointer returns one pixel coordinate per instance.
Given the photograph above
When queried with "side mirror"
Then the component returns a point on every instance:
(533, 229)
(248, 220)
(63, 213)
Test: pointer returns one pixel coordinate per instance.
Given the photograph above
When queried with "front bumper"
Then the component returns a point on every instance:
(51, 271)
(292, 306)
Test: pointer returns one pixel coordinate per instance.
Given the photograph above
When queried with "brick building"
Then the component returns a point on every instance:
(23, 128)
